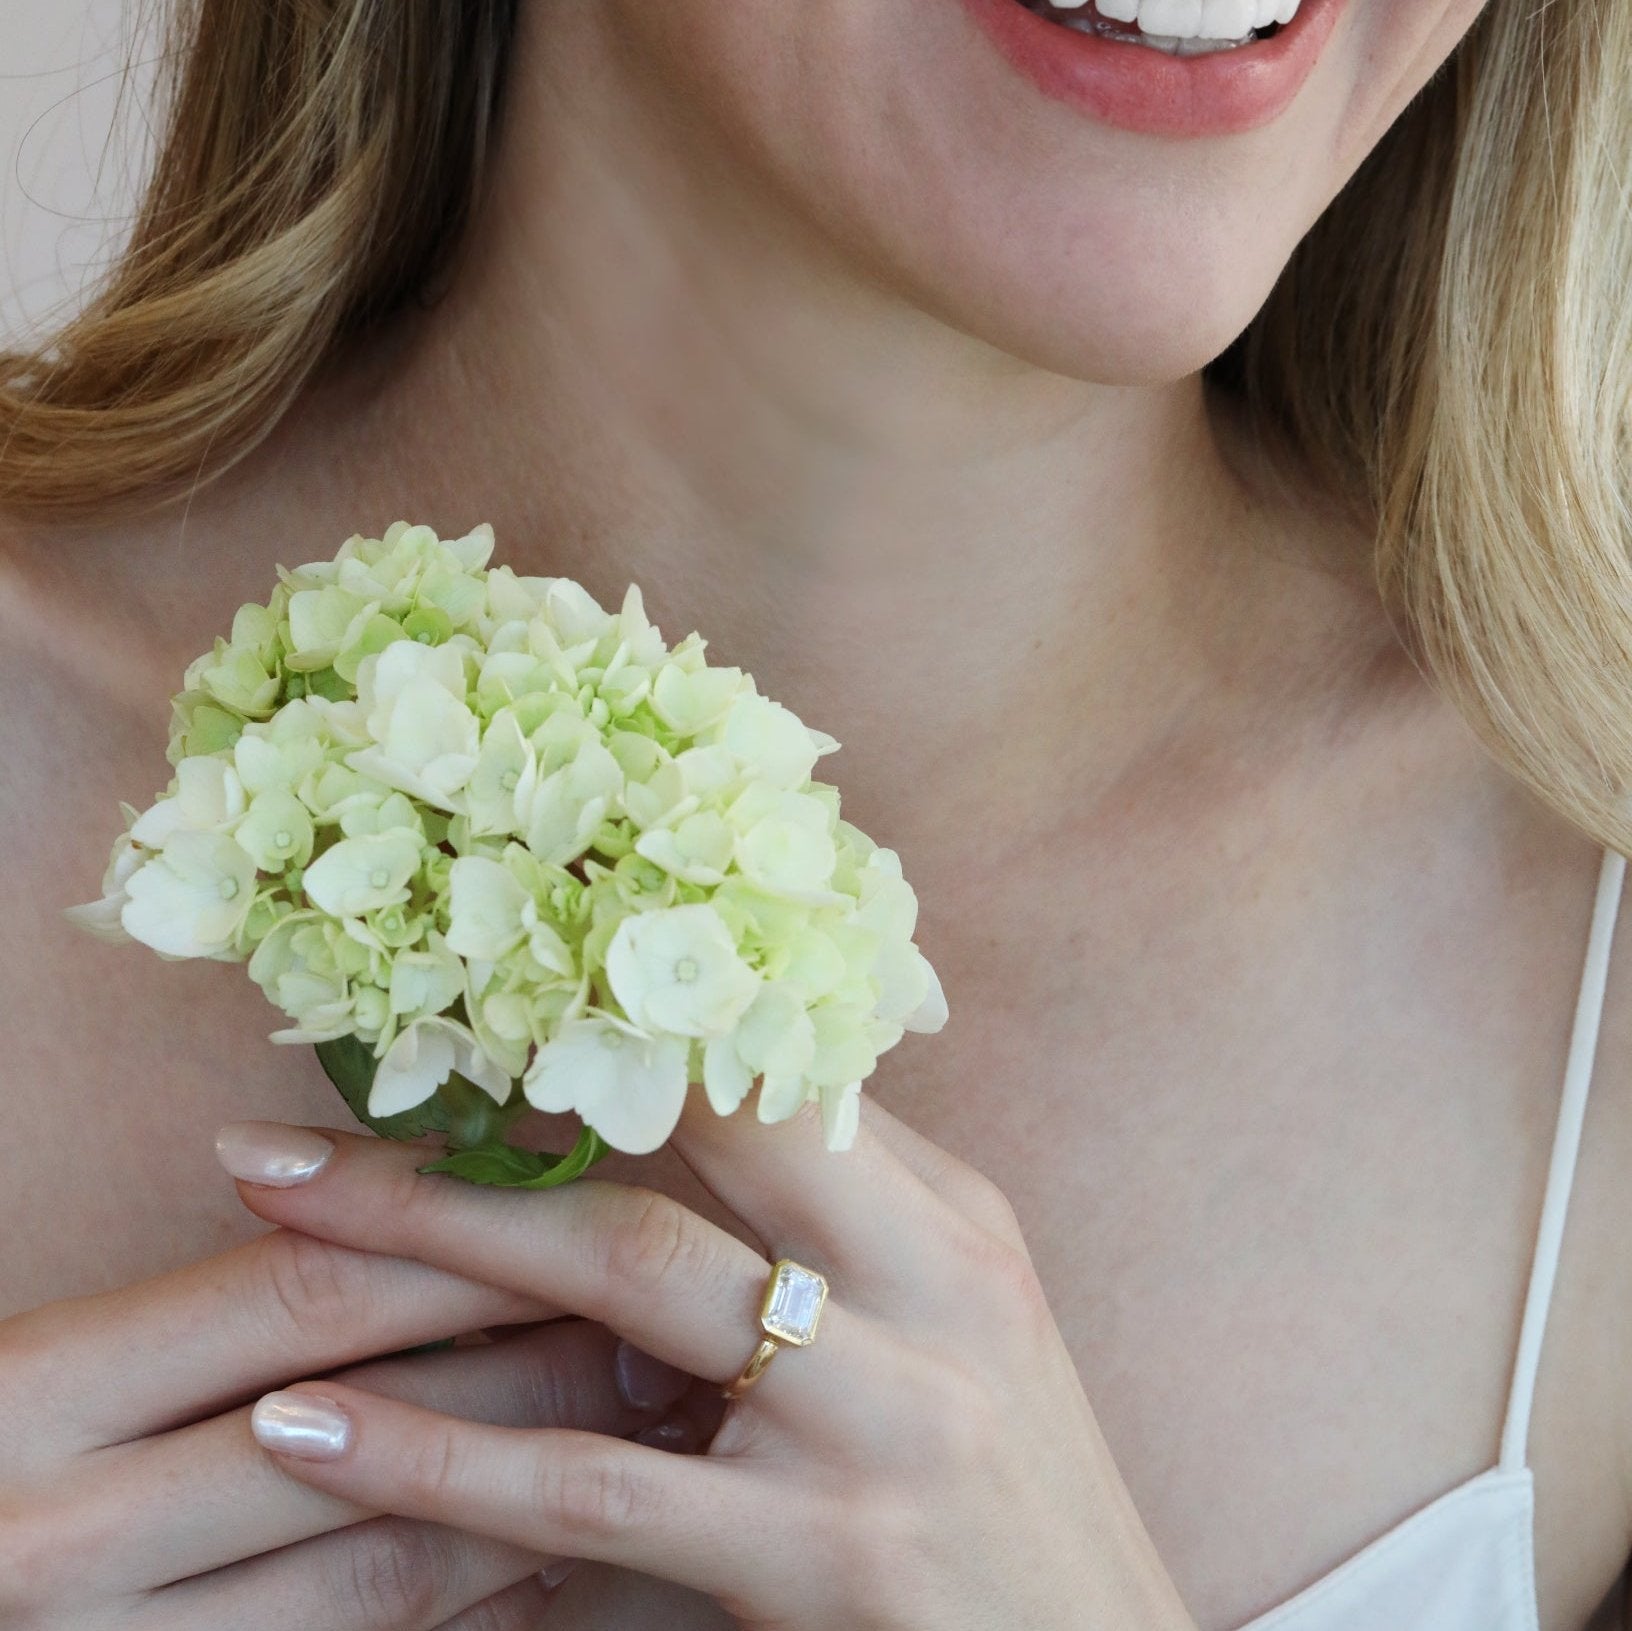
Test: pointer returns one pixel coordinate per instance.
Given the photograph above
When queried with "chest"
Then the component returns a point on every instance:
(1280, 1144)
(1277, 1123)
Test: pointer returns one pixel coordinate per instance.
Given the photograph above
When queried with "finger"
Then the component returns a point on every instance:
(861, 1215)
(389, 1574)
(636, 1260)
(521, 1608)
(690, 1519)
(210, 1498)
(203, 1338)
(963, 1187)
(893, 1221)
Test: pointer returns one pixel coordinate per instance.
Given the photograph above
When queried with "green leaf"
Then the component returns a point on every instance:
(422, 1348)
(349, 1064)
(503, 1166)
(472, 1120)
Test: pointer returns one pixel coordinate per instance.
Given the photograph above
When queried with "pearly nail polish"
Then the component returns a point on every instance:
(678, 1436)
(301, 1425)
(267, 1152)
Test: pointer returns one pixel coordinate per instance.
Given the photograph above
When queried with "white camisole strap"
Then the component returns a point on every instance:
(1589, 1011)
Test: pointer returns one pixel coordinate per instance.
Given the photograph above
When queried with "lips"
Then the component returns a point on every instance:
(1135, 87)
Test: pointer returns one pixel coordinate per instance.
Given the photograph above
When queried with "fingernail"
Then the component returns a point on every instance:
(556, 1572)
(644, 1382)
(301, 1425)
(677, 1436)
(267, 1152)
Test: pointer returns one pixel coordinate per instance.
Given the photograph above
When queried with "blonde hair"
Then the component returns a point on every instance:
(1450, 349)
(320, 160)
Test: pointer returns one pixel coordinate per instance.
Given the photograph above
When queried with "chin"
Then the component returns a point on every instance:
(1095, 205)
(1112, 289)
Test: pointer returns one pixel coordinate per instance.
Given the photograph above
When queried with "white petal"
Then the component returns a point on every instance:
(310, 1037)
(363, 874)
(639, 1113)
(690, 702)
(726, 1079)
(902, 977)
(414, 1067)
(572, 1061)
(574, 612)
(424, 982)
(208, 794)
(791, 857)
(475, 1066)
(100, 918)
(545, 944)
(931, 1014)
(486, 903)
(422, 1058)
(382, 679)
(438, 786)
(645, 960)
(189, 900)
(770, 738)
(841, 1115)
(781, 1096)
(475, 548)
(154, 826)
(776, 1034)
(569, 804)
(629, 1088)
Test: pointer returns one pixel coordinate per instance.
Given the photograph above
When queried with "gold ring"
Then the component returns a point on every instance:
(788, 1314)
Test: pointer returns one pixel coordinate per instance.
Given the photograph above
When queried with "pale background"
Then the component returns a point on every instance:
(65, 186)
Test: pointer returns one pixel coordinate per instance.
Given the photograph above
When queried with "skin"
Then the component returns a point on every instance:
(943, 1372)
(879, 368)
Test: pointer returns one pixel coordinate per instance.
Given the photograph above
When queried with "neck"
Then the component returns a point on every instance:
(913, 540)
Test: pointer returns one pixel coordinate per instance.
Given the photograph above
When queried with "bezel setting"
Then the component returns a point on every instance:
(793, 1303)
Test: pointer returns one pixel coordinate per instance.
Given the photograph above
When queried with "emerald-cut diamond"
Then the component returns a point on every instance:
(793, 1303)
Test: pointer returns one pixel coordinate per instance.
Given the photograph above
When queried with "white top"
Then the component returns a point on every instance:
(1466, 1561)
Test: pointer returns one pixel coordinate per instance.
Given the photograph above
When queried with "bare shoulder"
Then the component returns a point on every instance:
(1585, 1370)
(119, 1066)
(84, 724)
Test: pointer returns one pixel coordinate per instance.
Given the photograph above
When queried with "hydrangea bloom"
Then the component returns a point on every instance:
(485, 834)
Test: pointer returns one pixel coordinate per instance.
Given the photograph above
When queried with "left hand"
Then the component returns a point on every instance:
(930, 1463)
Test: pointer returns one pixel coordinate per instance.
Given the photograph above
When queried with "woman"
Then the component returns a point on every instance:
(1249, 716)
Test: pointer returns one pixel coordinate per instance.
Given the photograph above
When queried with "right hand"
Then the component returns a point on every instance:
(133, 1497)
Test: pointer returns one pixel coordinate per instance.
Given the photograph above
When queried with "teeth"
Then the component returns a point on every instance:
(1179, 27)
(1202, 19)
(1227, 19)
(1179, 19)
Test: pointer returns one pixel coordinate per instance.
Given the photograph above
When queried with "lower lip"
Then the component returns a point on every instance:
(1139, 88)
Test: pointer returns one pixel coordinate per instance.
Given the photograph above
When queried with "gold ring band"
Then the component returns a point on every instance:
(753, 1370)
(788, 1315)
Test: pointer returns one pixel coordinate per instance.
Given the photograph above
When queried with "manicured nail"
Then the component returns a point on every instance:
(644, 1382)
(556, 1572)
(267, 1152)
(301, 1425)
(677, 1436)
